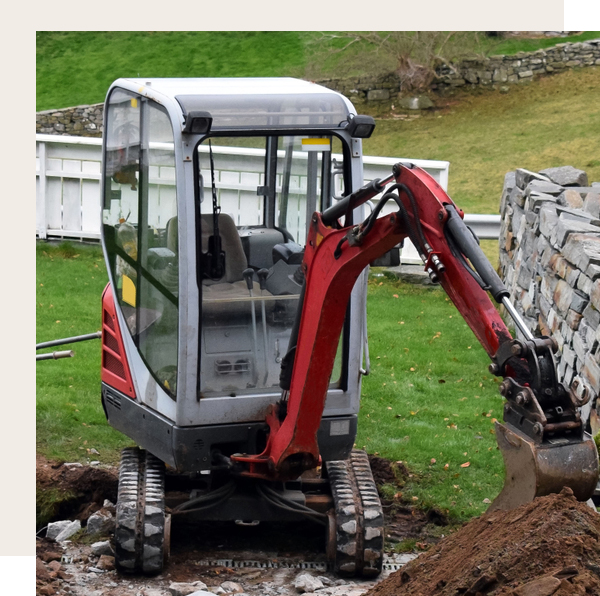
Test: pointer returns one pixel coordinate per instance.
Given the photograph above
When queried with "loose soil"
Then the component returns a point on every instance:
(548, 547)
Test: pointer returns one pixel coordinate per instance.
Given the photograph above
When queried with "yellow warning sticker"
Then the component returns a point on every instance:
(134, 102)
(316, 145)
(128, 290)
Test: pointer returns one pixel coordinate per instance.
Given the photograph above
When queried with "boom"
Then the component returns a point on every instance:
(540, 414)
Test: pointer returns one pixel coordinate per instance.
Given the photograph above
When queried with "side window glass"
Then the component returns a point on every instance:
(140, 228)
(121, 197)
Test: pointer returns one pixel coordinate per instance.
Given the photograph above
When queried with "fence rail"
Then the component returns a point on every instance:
(68, 172)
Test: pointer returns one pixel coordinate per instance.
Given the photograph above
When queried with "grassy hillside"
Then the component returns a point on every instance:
(76, 67)
(551, 122)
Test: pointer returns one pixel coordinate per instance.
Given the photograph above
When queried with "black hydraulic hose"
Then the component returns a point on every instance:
(217, 496)
(279, 501)
(353, 200)
(467, 244)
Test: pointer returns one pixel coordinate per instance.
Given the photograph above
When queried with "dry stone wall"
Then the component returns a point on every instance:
(522, 66)
(79, 121)
(496, 70)
(550, 262)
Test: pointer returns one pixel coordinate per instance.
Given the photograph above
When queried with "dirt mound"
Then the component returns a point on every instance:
(550, 547)
(71, 491)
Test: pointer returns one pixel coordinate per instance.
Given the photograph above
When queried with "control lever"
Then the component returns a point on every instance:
(262, 280)
(248, 275)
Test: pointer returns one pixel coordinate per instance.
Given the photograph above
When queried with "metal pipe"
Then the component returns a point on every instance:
(262, 280)
(516, 317)
(248, 275)
(68, 340)
(55, 355)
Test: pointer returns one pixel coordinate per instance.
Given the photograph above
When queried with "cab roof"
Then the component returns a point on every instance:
(250, 103)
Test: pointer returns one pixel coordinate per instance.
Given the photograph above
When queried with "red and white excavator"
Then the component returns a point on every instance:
(237, 240)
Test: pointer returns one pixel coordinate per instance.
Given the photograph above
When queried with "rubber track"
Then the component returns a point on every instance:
(359, 517)
(140, 519)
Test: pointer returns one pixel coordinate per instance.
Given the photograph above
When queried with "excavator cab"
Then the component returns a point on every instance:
(204, 235)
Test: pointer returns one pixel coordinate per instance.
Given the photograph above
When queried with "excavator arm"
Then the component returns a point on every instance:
(542, 441)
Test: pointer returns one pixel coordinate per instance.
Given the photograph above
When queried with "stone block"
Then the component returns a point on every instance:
(579, 345)
(570, 198)
(544, 306)
(582, 250)
(591, 315)
(523, 74)
(547, 187)
(543, 327)
(568, 356)
(517, 197)
(567, 332)
(566, 176)
(378, 95)
(100, 522)
(536, 199)
(591, 372)
(579, 301)
(563, 295)
(593, 271)
(548, 220)
(592, 204)
(568, 226)
(307, 583)
(595, 295)
(421, 102)
(523, 177)
(500, 75)
(185, 589)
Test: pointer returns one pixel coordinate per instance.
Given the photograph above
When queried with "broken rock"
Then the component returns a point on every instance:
(566, 176)
(68, 531)
(102, 548)
(545, 586)
(232, 587)
(307, 583)
(106, 563)
(184, 588)
(100, 522)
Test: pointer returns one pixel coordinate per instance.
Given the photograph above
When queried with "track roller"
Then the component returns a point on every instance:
(141, 534)
(355, 531)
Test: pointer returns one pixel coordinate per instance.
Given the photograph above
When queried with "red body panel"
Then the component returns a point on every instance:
(115, 369)
(292, 443)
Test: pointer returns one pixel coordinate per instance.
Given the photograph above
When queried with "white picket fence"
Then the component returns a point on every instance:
(68, 171)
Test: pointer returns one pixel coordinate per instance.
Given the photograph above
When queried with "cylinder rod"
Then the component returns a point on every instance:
(516, 317)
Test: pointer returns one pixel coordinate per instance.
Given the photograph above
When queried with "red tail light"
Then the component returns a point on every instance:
(115, 369)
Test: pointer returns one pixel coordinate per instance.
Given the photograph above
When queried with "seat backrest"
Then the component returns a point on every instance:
(231, 244)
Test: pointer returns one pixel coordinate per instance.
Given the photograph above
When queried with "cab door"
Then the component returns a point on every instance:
(140, 237)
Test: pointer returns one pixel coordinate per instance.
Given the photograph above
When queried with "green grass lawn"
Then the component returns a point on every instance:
(430, 400)
(428, 395)
(70, 421)
(77, 67)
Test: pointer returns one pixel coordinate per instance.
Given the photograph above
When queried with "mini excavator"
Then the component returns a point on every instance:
(237, 238)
